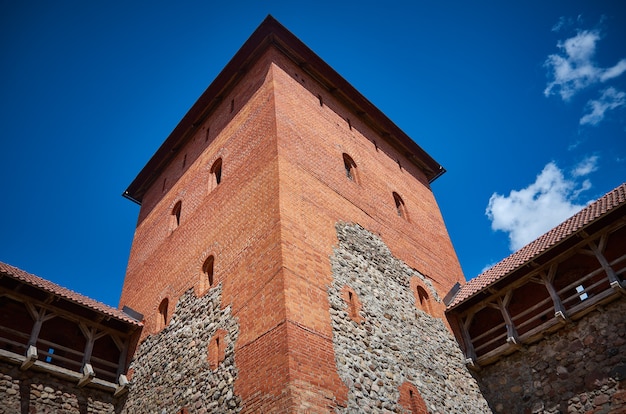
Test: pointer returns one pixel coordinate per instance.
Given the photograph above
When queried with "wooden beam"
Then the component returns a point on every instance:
(578, 247)
(88, 376)
(31, 357)
(511, 332)
(559, 309)
(121, 362)
(597, 251)
(40, 317)
(90, 335)
(122, 387)
(28, 301)
(470, 352)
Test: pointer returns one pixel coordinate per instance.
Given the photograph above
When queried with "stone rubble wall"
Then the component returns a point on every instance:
(39, 393)
(171, 371)
(396, 342)
(578, 369)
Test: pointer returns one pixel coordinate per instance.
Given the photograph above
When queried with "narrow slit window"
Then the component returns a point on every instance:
(207, 280)
(350, 167)
(400, 207)
(206, 135)
(217, 349)
(162, 315)
(175, 216)
(424, 299)
(351, 305)
(216, 174)
(321, 100)
(232, 105)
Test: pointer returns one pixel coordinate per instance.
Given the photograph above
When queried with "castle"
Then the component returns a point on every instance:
(290, 256)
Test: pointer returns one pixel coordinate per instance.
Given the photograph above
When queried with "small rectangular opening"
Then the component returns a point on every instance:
(49, 356)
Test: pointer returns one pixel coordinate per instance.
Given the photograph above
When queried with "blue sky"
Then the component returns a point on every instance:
(524, 104)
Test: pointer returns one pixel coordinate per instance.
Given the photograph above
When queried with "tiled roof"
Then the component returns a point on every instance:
(53, 288)
(592, 212)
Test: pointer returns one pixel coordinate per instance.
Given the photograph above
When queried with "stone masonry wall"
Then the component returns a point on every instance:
(579, 369)
(38, 393)
(172, 371)
(395, 342)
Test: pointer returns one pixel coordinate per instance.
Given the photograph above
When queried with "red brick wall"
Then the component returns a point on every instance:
(237, 222)
(315, 193)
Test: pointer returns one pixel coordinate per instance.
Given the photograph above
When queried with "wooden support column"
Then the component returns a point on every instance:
(39, 316)
(91, 334)
(559, 309)
(122, 386)
(470, 353)
(88, 375)
(511, 332)
(597, 251)
(31, 357)
(123, 347)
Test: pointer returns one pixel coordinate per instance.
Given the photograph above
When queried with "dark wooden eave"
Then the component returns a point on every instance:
(272, 33)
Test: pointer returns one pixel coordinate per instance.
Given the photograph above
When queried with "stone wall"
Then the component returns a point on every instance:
(393, 342)
(171, 371)
(579, 369)
(38, 393)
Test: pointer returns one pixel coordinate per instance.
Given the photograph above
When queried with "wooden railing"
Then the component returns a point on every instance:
(29, 348)
(484, 345)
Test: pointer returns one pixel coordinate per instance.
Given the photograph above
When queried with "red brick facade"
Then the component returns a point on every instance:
(270, 225)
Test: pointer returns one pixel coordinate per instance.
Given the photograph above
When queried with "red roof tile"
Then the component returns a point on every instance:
(521, 257)
(53, 288)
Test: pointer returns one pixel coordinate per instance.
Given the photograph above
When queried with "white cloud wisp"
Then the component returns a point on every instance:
(610, 99)
(574, 69)
(528, 213)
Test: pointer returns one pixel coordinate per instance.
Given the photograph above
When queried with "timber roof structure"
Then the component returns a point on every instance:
(8, 273)
(614, 202)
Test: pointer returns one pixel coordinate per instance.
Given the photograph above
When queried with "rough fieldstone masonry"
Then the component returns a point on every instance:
(395, 342)
(579, 369)
(172, 371)
(33, 392)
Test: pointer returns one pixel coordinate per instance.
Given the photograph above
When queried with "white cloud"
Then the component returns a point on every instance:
(528, 213)
(573, 69)
(586, 166)
(611, 99)
(565, 22)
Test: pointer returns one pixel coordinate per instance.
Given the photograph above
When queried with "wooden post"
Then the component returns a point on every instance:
(470, 352)
(123, 347)
(88, 375)
(597, 251)
(559, 309)
(91, 334)
(122, 386)
(511, 332)
(31, 357)
(39, 317)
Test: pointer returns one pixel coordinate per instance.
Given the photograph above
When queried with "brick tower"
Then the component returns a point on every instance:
(285, 222)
